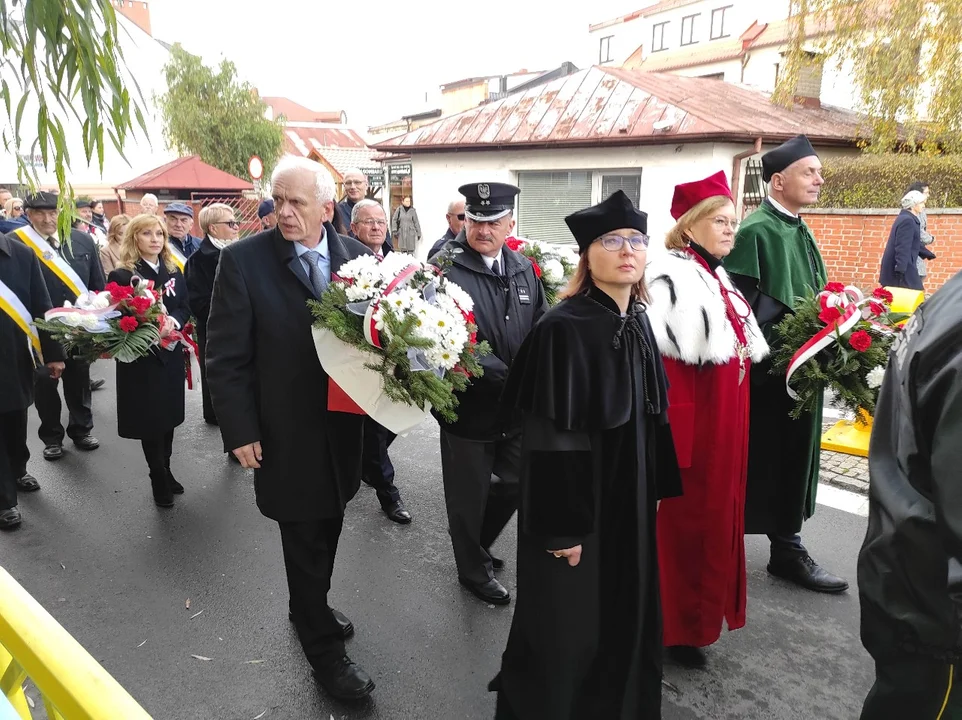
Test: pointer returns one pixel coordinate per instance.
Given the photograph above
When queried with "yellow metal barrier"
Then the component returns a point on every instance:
(72, 684)
(852, 436)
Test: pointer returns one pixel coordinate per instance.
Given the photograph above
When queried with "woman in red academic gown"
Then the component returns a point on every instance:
(708, 338)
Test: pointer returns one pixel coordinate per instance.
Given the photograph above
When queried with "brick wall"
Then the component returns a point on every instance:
(852, 243)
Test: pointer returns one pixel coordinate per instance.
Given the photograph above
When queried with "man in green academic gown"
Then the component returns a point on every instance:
(775, 260)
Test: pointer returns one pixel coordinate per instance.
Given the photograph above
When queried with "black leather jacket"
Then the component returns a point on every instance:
(910, 566)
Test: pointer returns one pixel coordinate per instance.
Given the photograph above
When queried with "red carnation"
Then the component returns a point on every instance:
(860, 340)
(835, 287)
(537, 268)
(140, 304)
(514, 243)
(830, 315)
(882, 294)
(128, 324)
(119, 292)
(877, 308)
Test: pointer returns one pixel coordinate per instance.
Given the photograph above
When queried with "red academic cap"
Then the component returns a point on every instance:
(687, 195)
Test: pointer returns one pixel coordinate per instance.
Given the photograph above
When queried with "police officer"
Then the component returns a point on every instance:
(480, 453)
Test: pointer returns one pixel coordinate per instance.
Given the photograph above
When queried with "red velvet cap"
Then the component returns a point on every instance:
(687, 195)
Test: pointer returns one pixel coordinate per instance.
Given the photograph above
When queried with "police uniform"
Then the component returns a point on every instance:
(480, 452)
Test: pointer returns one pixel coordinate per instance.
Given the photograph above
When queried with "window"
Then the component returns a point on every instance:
(548, 196)
(688, 30)
(718, 22)
(713, 76)
(604, 51)
(658, 37)
(630, 183)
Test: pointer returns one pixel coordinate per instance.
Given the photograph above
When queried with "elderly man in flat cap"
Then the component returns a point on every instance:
(180, 221)
(69, 270)
(480, 453)
(775, 260)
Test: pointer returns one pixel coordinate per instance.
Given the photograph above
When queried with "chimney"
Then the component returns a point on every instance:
(136, 11)
(808, 90)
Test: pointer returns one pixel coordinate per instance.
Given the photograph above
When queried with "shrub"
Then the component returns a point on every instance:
(880, 181)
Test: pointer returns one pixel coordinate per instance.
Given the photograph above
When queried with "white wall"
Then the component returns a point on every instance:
(732, 70)
(145, 59)
(436, 177)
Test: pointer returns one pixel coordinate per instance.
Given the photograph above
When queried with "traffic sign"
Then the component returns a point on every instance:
(255, 167)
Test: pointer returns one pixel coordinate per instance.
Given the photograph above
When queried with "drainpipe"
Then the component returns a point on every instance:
(737, 171)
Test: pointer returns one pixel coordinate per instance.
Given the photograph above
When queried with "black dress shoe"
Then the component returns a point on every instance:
(398, 513)
(175, 487)
(28, 483)
(804, 571)
(160, 487)
(97, 384)
(491, 592)
(687, 656)
(347, 627)
(87, 442)
(10, 518)
(54, 451)
(344, 679)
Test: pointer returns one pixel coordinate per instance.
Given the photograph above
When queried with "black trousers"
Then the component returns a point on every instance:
(478, 505)
(503, 711)
(914, 687)
(76, 392)
(377, 470)
(13, 455)
(309, 550)
(157, 452)
(209, 414)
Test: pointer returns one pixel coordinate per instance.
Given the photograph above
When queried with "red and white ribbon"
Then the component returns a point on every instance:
(370, 324)
(849, 303)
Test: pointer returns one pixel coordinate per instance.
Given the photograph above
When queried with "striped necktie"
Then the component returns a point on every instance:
(318, 281)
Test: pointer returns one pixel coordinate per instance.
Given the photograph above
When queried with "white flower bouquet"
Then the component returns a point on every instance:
(398, 338)
(554, 264)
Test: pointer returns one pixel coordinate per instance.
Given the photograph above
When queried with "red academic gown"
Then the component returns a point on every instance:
(701, 547)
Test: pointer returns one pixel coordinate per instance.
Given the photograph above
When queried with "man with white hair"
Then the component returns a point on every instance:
(270, 395)
(455, 218)
(149, 204)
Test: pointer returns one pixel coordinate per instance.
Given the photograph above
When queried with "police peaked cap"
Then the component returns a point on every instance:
(486, 202)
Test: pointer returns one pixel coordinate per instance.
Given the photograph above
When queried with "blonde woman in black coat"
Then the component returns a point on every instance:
(150, 391)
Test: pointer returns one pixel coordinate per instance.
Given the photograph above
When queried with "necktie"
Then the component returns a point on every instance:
(495, 268)
(318, 281)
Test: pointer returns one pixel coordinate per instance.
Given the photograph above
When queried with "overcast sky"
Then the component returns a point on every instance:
(375, 59)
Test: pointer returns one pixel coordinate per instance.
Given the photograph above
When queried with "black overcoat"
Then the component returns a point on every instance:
(199, 273)
(20, 271)
(268, 385)
(506, 307)
(150, 390)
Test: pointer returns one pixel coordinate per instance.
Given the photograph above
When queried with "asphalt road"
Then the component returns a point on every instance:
(117, 572)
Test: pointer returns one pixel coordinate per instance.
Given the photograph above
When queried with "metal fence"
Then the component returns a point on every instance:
(754, 191)
(245, 211)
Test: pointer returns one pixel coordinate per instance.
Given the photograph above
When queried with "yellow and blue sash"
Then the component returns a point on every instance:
(178, 256)
(52, 259)
(11, 305)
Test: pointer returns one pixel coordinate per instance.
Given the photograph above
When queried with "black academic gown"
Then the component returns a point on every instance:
(585, 642)
(150, 390)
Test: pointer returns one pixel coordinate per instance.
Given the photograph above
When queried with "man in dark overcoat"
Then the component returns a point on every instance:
(82, 257)
(270, 395)
(480, 454)
(23, 297)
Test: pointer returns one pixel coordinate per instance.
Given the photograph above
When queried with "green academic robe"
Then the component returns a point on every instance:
(774, 261)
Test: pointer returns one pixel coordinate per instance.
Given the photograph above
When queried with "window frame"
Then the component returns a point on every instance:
(604, 50)
(721, 34)
(654, 30)
(691, 30)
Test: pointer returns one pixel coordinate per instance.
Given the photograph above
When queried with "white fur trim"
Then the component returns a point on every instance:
(687, 312)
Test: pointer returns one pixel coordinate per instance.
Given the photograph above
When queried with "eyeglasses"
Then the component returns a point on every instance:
(372, 223)
(614, 243)
(228, 223)
(461, 216)
(721, 223)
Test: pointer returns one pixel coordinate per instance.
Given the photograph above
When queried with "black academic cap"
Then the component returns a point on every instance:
(615, 213)
(485, 202)
(41, 201)
(775, 161)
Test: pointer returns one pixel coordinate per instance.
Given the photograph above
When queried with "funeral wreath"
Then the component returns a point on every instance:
(554, 264)
(404, 322)
(838, 339)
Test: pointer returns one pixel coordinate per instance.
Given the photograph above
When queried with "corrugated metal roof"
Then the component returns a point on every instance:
(300, 140)
(186, 173)
(617, 106)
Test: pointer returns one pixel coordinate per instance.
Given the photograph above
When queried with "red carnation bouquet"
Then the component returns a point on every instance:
(123, 322)
(553, 264)
(837, 339)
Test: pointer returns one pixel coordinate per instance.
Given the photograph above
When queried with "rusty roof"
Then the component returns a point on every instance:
(295, 112)
(627, 107)
(186, 173)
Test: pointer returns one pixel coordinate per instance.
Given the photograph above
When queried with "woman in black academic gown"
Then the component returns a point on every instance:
(150, 390)
(219, 227)
(597, 457)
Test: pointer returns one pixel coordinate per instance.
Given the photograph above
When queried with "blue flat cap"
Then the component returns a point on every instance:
(265, 209)
(179, 208)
